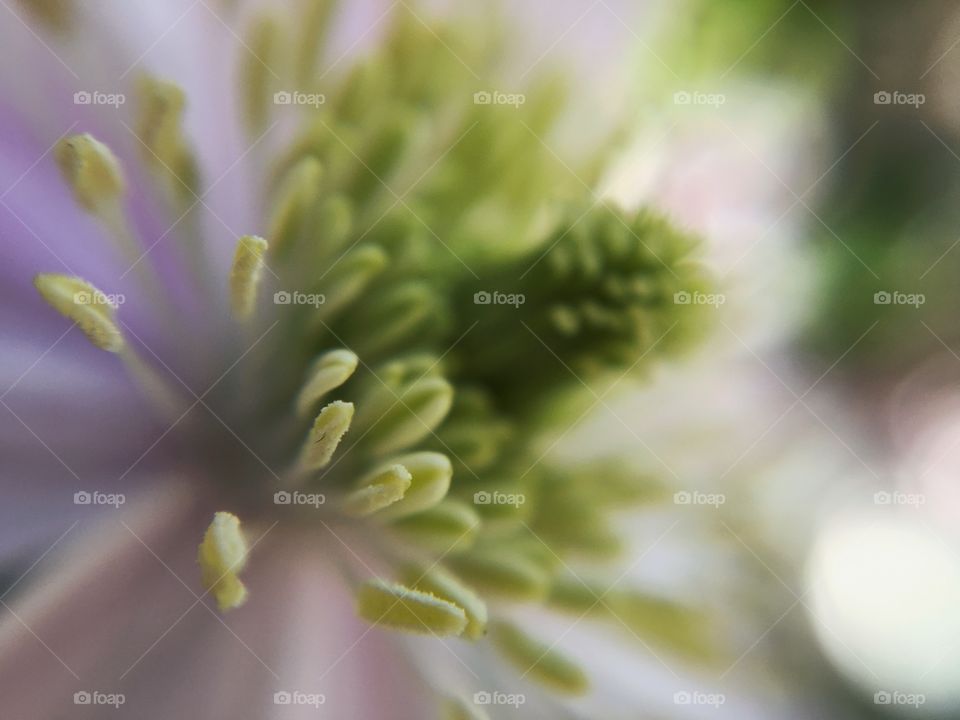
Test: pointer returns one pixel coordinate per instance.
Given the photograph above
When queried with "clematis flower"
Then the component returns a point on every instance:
(284, 344)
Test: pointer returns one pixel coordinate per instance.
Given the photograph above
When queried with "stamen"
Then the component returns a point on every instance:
(431, 473)
(438, 582)
(295, 203)
(223, 554)
(160, 129)
(378, 491)
(415, 413)
(350, 277)
(330, 371)
(315, 21)
(539, 661)
(245, 275)
(256, 73)
(459, 709)
(398, 607)
(449, 526)
(511, 577)
(92, 171)
(84, 304)
(328, 429)
(56, 15)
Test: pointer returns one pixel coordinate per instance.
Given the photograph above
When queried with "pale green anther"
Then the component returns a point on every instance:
(349, 277)
(415, 413)
(92, 171)
(503, 575)
(245, 274)
(328, 372)
(450, 526)
(461, 709)
(400, 608)
(257, 71)
(314, 22)
(377, 491)
(431, 473)
(439, 582)
(539, 661)
(398, 317)
(84, 304)
(565, 320)
(160, 130)
(333, 224)
(221, 555)
(296, 200)
(327, 431)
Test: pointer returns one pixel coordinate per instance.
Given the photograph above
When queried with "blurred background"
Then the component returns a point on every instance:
(813, 444)
(815, 145)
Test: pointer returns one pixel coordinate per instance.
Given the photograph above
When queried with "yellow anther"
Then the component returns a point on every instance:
(398, 607)
(245, 274)
(378, 491)
(330, 371)
(328, 429)
(437, 581)
(81, 302)
(223, 554)
(431, 473)
(92, 171)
